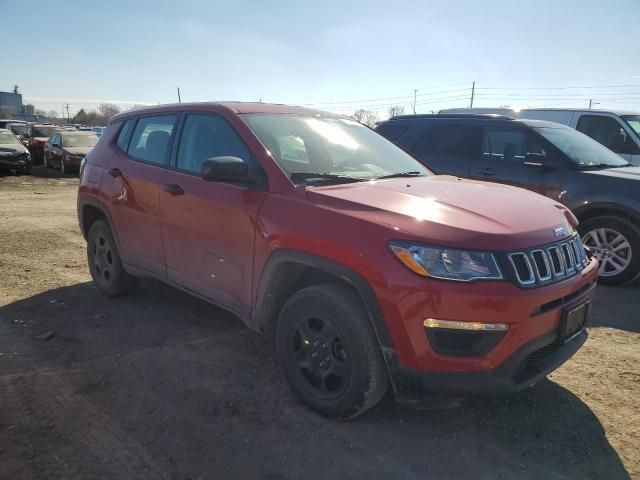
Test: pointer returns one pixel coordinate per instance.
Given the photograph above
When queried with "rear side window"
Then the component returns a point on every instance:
(207, 136)
(123, 136)
(150, 139)
(392, 131)
(459, 141)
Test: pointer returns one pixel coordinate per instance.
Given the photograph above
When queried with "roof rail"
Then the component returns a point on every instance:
(485, 116)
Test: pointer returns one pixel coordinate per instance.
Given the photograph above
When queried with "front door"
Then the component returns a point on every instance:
(208, 228)
(503, 154)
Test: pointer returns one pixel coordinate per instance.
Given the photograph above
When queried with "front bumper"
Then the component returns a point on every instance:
(14, 164)
(528, 351)
(534, 361)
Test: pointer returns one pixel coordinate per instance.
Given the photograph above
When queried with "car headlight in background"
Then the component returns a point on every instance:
(447, 263)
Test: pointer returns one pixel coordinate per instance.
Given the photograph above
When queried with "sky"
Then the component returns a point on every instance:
(332, 55)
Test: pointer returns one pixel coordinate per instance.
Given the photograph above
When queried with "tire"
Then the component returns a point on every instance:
(329, 353)
(615, 242)
(104, 262)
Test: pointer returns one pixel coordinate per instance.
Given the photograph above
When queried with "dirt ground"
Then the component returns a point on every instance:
(160, 385)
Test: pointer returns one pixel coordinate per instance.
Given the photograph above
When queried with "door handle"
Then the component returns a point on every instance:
(115, 172)
(487, 172)
(173, 189)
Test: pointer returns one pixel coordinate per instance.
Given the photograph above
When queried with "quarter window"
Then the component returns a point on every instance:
(123, 136)
(205, 137)
(150, 139)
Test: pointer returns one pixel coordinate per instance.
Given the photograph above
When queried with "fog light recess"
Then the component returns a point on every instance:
(463, 339)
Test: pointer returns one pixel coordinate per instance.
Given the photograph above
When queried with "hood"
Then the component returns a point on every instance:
(40, 139)
(446, 210)
(630, 173)
(77, 150)
(11, 150)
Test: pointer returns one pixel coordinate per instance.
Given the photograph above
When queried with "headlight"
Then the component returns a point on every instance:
(447, 263)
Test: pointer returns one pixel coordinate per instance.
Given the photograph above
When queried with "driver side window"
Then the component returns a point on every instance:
(509, 144)
(205, 137)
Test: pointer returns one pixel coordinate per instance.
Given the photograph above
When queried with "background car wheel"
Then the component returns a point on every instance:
(615, 242)
(104, 261)
(329, 353)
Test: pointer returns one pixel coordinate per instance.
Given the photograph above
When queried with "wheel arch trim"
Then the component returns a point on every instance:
(263, 316)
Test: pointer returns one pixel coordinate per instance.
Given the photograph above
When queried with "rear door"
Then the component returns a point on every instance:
(208, 228)
(503, 153)
(449, 148)
(132, 183)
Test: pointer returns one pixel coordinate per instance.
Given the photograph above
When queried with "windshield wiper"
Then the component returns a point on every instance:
(324, 176)
(401, 174)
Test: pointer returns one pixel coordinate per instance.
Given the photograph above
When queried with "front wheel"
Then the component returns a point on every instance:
(104, 261)
(615, 243)
(329, 352)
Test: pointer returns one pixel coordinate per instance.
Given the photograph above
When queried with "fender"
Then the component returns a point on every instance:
(583, 210)
(263, 314)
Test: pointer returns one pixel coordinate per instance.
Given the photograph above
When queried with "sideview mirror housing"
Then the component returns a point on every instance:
(226, 169)
(538, 160)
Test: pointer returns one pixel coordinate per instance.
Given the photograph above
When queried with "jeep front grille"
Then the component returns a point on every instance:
(543, 265)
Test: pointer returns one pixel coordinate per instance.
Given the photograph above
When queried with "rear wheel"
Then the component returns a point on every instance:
(104, 261)
(615, 243)
(329, 353)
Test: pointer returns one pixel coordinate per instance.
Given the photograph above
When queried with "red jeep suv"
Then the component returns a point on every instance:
(366, 268)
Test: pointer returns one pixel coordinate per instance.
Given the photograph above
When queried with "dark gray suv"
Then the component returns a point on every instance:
(601, 188)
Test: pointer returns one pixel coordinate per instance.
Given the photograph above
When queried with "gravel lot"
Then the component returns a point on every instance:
(162, 385)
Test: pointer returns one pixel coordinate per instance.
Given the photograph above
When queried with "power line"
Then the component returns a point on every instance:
(561, 88)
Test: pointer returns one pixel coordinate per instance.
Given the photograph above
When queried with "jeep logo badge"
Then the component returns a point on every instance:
(558, 232)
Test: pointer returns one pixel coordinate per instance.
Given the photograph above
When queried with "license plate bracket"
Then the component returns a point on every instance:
(573, 321)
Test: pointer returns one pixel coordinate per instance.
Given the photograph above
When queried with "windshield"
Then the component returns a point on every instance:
(8, 138)
(583, 150)
(43, 131)
(336, 149)
(18, 129)
(79, 140)
(633, 121)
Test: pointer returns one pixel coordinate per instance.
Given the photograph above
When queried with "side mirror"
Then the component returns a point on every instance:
(226, 169)
(26, 136)
(538, 160)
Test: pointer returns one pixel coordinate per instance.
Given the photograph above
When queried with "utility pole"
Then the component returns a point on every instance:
(473, 92)
(415, 94)
(68, 117)
(179, 99)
